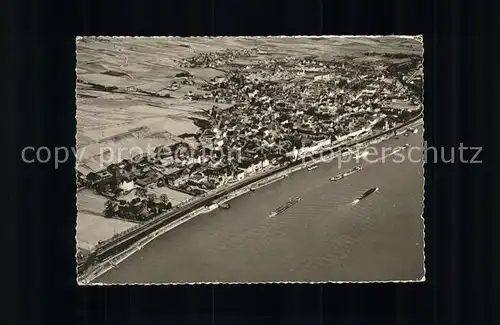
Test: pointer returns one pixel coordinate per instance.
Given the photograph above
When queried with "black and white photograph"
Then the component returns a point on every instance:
(249, 159)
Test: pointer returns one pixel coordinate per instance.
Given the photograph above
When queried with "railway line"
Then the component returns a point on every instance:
(118, 244)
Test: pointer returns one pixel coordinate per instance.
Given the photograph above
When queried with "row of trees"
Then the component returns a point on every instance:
(143, 207)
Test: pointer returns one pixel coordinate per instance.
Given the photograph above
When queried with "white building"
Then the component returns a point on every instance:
(126, 186)
(307, 150)
(294, 153)
(325, 77)
(249, 170)
(324, 143)
(167, 161)
(375, 121)
(361, 131)
(181, 180)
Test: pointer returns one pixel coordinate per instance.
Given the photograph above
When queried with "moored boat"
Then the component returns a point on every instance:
(224, 206)
(312, 167)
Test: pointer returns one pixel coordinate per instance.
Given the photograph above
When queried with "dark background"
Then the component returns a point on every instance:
(39, 76)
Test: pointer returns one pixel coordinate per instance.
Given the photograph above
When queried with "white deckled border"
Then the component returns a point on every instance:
(420, 38)
(416, 37)
(188, 217)
(76, 160)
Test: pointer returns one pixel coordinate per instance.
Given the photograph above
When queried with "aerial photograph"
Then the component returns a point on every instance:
(249, 159)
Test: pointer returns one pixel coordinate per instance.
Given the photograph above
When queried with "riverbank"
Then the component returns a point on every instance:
(275, 174)
(321, 233)
(115, 260)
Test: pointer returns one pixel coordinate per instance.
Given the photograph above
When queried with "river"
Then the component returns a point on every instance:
(321, 238)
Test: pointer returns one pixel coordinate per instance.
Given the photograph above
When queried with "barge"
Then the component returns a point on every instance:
(282, 208)
(349, 172)
(365, 194)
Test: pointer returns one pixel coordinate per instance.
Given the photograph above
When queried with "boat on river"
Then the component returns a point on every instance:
(224, 206)
(349, 172)
(282, 208)
(312, 167)
(365, 194)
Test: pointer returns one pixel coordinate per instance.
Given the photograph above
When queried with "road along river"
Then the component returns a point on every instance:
(321, 238)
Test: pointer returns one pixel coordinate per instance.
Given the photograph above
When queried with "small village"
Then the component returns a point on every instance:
(282, 109)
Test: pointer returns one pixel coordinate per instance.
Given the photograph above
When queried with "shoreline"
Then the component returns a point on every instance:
(107, 264)
(115, 260)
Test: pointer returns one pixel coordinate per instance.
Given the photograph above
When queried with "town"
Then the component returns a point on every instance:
(280, 109)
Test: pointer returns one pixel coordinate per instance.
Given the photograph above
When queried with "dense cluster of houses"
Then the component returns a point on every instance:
(300, 105)
(282, 109)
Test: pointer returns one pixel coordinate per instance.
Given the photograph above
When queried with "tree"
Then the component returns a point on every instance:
(111, 168)
(161, 182)
(151, 197)
(164, 198)
(140, 192)
(128, 165)
(164, 204)
(109, 209)
(150, 202)
(141, 213)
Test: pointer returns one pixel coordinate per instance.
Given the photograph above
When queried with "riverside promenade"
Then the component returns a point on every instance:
(129, 238)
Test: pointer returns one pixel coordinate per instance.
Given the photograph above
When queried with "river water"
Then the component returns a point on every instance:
(321, 238)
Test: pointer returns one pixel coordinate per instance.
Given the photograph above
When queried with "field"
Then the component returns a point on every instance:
(91, 225)
(174, 196)
(90, 202)
(91, 228)
(402, 105)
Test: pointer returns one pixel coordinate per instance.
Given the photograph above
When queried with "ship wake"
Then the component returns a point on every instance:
(364, 195)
